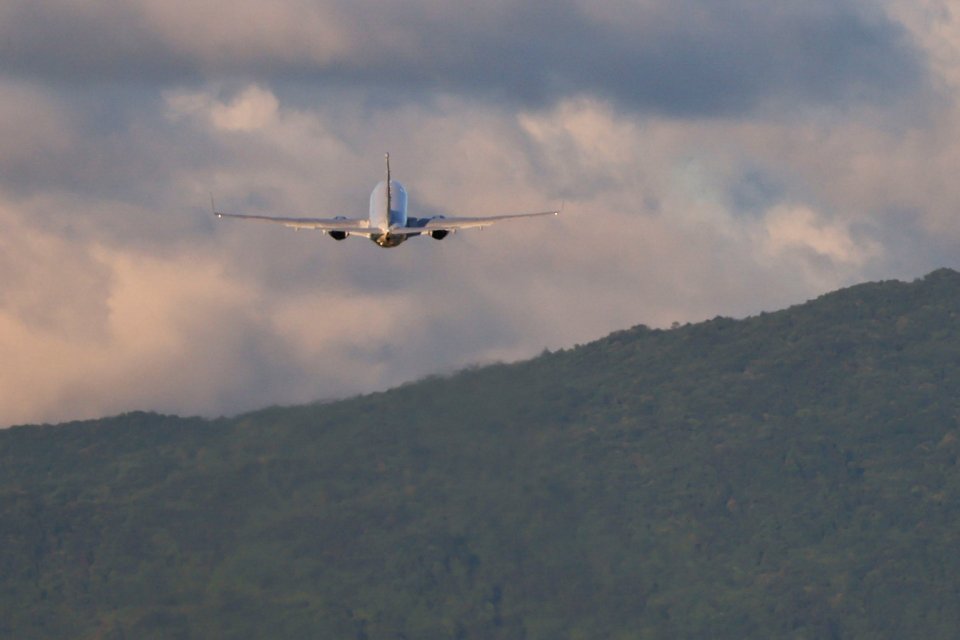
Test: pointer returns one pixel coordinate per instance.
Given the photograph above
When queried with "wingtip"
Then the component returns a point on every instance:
(213, 208)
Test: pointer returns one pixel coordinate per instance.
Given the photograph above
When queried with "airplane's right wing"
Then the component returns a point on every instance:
(346, 225)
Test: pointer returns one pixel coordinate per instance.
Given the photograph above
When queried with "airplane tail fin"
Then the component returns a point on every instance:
(389, 188)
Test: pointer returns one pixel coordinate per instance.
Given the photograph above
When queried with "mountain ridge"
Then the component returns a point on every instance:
(791, 474)
(942, 275)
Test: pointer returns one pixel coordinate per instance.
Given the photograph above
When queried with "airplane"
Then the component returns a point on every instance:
(387, 224)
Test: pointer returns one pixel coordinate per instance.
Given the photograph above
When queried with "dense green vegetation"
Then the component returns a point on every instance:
(792, 475)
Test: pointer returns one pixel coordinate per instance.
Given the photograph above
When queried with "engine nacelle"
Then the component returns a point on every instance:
(337, 235)
(439, 234)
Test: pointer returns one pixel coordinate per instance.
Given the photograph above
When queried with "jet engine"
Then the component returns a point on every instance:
(439, 234)
(338, 235)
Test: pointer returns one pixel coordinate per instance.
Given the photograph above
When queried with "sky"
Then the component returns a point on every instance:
(714, 157)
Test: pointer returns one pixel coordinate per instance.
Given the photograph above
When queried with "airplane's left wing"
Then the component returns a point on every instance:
(443, 223)
(347, 225)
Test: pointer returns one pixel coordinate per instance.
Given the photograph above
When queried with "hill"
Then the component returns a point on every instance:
(791, 475)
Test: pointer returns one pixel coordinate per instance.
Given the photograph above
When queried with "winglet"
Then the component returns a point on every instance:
(213, 207)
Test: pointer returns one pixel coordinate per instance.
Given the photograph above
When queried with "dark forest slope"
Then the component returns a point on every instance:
(790, 475)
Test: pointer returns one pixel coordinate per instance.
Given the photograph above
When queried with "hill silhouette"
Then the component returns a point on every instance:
(790, 475)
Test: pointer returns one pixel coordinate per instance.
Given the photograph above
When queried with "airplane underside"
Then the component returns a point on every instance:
(388, 240)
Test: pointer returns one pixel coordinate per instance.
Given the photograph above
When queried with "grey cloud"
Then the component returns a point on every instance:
(692, 57)
(756, 191)
(687, 58)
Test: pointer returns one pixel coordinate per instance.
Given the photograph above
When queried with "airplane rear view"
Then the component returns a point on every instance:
(387, 223)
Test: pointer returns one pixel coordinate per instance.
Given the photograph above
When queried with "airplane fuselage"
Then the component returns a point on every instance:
(388, 210)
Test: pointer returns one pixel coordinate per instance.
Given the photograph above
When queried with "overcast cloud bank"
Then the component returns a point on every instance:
(715, 158)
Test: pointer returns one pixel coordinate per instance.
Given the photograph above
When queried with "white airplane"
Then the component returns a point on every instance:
(387, 223)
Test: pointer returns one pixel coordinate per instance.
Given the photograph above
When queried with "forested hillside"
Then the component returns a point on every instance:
(791, 475)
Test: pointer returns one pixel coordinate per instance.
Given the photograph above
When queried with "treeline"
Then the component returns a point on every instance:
(791, 475)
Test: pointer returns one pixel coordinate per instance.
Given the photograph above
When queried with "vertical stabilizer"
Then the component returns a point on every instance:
(389, 189)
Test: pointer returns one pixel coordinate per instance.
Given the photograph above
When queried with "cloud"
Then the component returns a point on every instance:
(829, 246)
(693, 57)
(35, 132)
(255, 108)
(710, 165)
